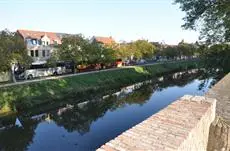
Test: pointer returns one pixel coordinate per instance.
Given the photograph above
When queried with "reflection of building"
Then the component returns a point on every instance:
(39, 44)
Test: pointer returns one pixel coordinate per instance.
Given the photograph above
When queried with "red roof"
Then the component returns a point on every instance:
(105, 40)
(39, 34)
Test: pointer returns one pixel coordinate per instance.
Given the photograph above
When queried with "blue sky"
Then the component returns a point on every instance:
(155, 20)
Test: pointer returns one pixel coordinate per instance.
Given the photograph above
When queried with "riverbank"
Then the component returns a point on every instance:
(78, 88)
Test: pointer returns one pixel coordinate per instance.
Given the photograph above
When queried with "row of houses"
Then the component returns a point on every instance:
(40, 44)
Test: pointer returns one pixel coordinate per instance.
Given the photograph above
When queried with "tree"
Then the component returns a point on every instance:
(186, 49)
(83, 52)
(218, 56)
(72, 48)
(213, 15)
(170, 52)
(212, 18)
(123, 51)
(12, 50)
(98, 53)
(142, 49)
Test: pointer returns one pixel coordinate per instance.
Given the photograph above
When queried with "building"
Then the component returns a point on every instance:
(103, 40)
(39, 44)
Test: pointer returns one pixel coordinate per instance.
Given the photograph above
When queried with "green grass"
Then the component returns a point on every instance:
(77, 88)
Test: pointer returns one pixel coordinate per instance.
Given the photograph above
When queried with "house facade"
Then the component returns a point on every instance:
(40, 45)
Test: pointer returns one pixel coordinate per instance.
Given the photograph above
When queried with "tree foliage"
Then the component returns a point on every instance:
(12, 50)
(179, 51)
(213, 15)
(83, 52)
(138, 49)
(170, 52)
(186, 49)
(217, 56)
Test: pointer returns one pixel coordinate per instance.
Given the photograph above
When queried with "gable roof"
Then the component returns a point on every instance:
(105, 40)
(39, 34)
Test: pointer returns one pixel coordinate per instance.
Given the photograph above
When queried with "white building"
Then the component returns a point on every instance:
(39, 44)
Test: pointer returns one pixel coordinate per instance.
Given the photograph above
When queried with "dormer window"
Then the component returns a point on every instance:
(34, 41)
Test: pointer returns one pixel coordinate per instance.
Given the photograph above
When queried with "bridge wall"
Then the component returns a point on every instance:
(183, 126)
(219, 133)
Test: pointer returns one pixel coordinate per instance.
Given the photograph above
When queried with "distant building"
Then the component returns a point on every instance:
(39, 44)
(103, 40)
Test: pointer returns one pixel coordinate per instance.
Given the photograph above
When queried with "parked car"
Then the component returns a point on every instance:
(142, 61)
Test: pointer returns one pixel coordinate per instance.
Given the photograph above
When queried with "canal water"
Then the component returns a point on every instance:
(89, 125)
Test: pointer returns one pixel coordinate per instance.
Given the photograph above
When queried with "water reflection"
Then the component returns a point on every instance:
(83, 122)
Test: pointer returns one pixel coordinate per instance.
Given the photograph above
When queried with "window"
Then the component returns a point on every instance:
(39, 42)
(48, 53)
(31, 53)
(34, 41)
(36, 53)
(43, 42)
(43, 53)
(47, 43)
(38, 66)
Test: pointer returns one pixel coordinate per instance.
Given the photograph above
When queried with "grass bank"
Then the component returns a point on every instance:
(77, 88)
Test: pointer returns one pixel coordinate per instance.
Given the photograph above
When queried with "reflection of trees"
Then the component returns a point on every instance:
(205, 77)
(180, 80)
(80, 119)
(15, 138)
(138, 96)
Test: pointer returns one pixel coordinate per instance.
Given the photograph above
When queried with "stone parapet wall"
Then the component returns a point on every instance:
(219, 133)
(183, 125)
(221, 91)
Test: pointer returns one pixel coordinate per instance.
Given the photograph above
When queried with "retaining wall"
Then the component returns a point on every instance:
(219, 133)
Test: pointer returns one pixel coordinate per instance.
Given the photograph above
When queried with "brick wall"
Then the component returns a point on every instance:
(219, 133)
(183, 125)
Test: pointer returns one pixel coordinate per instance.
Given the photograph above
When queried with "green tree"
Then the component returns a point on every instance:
(212, 18)
(123, 51)
(83, 52)
(12, 50)
(72, 48)
(213, 15)
(142, 49)
(186, 49)
(170, 52)
(98, 53)
(218, 56)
